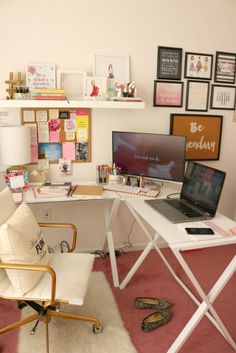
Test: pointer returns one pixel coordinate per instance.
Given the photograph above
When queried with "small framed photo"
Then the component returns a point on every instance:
(112, 66)
(223, 97)
(40, 76)
(73, 82)
(169, 63)
(198, 66)
(197, 95)
(95, 87)
(225, 67)
(168, 94)
(202, 132)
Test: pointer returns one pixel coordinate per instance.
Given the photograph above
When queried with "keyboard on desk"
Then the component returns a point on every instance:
(133, 190)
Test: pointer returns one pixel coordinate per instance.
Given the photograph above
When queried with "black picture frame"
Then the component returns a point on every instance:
(197, 95)
(168, 94)
(198, 66)
(203, 134)
(225, 66)
(169, 63)
(223, 97)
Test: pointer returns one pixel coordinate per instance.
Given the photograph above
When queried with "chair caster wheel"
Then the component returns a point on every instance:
(96, 329)
(21, 305)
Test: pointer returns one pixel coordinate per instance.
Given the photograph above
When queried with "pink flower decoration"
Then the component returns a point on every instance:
(31, 69)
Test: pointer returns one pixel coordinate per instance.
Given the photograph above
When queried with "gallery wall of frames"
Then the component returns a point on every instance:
(208, 80)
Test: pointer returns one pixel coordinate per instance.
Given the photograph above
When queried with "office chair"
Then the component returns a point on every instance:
(63, 279)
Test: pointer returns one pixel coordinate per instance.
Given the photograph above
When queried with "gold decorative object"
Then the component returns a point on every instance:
(13, 83)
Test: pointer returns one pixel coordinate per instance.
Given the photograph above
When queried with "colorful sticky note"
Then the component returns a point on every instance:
(54, 136)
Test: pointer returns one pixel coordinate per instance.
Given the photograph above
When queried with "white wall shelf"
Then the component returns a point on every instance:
(23, 103)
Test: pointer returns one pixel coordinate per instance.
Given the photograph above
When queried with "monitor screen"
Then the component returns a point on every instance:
(149, 155)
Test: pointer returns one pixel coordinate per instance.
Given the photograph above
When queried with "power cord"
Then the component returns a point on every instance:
(170, 195)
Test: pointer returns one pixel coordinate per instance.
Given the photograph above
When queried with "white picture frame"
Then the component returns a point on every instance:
(40, 76)
(95, 87)
(73, 82)
(114, 66)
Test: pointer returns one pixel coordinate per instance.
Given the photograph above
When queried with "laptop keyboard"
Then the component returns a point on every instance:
(185, 209)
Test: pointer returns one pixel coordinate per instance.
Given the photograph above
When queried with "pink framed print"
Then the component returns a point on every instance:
(168, 94)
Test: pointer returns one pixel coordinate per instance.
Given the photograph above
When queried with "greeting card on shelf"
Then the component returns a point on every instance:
(40, 76)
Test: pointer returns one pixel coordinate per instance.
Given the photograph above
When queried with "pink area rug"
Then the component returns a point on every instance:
(153, 279)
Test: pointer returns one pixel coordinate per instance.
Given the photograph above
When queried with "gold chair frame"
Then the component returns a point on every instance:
(49, 308)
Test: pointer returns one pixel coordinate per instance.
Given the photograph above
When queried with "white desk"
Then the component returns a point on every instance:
(177, 240)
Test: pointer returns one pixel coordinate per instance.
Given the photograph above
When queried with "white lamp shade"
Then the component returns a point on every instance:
(15, 145)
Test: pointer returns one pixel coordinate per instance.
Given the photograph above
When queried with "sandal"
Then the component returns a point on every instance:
(157, 319)
(151, 303)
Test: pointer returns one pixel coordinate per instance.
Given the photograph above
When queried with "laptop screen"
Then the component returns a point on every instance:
(202, 186)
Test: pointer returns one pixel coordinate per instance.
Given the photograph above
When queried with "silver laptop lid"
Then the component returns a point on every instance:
(202, 186)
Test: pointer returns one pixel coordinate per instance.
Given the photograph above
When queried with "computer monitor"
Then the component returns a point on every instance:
(149, 155)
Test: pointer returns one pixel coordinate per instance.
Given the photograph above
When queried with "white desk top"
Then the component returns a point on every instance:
(174, 234)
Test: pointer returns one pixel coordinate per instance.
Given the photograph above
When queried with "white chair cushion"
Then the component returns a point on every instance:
(21, 242)
(73, 271)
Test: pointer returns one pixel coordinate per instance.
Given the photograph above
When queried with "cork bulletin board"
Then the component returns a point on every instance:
(59, 133)
(203, 134)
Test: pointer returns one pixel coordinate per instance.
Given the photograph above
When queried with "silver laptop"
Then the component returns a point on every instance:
(199, 197)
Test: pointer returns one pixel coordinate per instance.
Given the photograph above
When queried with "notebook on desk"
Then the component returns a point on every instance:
(199, 197)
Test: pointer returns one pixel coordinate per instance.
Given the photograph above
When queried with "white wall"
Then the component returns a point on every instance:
(67, 33)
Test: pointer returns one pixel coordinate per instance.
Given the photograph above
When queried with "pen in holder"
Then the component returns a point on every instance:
(103, 172)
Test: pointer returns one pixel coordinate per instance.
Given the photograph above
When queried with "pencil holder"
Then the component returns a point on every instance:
(114, 179)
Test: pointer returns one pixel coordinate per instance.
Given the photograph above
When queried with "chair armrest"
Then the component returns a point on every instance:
(63, 225)
(42, 268)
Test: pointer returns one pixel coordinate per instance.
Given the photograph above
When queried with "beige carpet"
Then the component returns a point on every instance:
(69, 336)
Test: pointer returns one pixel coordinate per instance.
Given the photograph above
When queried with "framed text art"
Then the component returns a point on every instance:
(169, 63)
(168, 94)
(40, 76)
(223, 97)
(203, 134)
(197, 95)
(112, 66)
(198, 66)
(225, 67)
(59, 134)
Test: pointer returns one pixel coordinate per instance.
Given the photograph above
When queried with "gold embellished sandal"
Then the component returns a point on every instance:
(151, 303)
(157, 319)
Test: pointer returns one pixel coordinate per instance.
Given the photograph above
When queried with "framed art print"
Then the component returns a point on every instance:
(73, 82)
(112, 66)
(95, 87)
(197, 95)
(202, 132)
(198, 66)
(223, 97)
(168, 94)
(225, 67)
(169, 63)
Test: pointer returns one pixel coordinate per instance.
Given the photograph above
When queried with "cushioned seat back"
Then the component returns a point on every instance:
(7, 208)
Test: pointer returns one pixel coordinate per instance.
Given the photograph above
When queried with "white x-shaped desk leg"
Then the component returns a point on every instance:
(204, 307)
